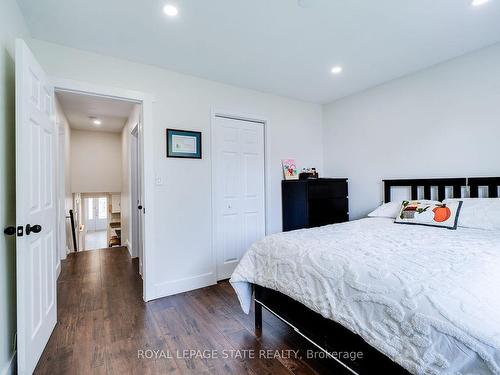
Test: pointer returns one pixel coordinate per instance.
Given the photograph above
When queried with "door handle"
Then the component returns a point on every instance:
(33, 228)
(10, 231)
(139, 207)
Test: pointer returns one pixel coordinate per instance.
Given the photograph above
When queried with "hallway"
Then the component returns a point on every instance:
(103, 323)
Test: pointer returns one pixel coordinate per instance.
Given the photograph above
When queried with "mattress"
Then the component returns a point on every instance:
(428, 298)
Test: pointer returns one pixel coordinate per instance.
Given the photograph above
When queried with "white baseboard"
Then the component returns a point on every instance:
(184, 285)
(66, 252)
(11, 366)
(129, 248)
(58, 269)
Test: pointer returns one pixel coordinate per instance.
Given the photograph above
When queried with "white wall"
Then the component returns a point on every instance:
(126, 205)
(11, 26)
(441, 122)
(182, 256)
(96, 162)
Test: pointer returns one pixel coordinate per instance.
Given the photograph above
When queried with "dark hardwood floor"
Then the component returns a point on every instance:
(104, 327)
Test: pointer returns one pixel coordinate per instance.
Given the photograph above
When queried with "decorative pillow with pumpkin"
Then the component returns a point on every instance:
(435, 214)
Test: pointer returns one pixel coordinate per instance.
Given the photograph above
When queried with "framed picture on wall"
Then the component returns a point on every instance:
(183, 144)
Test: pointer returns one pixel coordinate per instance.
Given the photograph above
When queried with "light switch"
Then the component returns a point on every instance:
(158, 181)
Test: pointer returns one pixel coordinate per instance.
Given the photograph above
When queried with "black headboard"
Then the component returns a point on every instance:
(427, 184)
(491, 182)
(473, 183)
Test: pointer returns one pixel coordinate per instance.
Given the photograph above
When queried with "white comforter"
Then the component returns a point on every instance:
(429, 298)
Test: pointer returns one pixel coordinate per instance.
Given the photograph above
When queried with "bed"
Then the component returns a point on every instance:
(412, 299)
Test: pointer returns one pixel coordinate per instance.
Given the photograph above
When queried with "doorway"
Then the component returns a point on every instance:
(96, 222)
(96, 213)
(143, 135)
(239, 192)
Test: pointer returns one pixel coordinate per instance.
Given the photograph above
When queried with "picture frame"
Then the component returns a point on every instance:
(290, 171)
(184, 144)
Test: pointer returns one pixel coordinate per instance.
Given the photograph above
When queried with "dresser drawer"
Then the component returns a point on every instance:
(327, 189)
(328, 211)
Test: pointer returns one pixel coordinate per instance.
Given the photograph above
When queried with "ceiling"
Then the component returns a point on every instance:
(274, 46)
(80, 110)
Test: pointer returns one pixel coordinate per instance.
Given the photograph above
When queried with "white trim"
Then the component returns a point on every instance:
(187, 284)
(267, 174)
(58, 268)
(129, 248)
(60, 189)
(62, 84)
(133, 139)
(10, 367)
(146, 100)
(133, 215)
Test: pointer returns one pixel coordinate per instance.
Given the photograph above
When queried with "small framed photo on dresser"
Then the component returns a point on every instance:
(183, 144)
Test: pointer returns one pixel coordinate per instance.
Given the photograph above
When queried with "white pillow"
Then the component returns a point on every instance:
(392, 209)
(479, 213)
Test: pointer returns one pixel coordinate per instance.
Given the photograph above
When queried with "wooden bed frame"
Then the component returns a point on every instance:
(331, 337)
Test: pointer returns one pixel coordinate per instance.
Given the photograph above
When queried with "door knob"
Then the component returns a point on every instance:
(139, 207)
(33, 228)
(10, 231)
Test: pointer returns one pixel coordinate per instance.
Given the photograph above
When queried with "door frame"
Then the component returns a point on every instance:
(236, 115)
(136, 230)
(146, 159)
(61, 195)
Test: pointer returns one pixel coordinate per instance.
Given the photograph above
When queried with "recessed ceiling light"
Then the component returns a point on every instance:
(170, 10)
(336, 70)
(477, 3)
(97, 122)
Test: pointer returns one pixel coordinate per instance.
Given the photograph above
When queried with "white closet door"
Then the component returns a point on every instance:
(239, 202)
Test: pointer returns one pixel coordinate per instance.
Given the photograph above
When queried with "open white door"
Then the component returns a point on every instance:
(35, 209)
(136, 195)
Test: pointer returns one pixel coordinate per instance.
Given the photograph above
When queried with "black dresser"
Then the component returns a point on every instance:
(313, 203)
